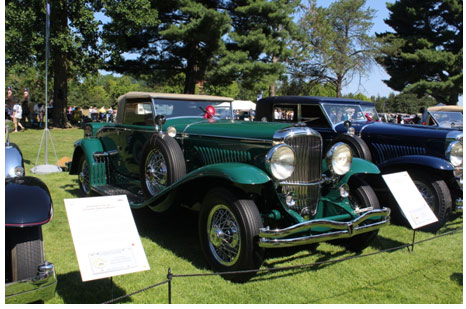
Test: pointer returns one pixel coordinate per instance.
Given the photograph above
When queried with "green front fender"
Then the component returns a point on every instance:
(238, 173)
(358, 166)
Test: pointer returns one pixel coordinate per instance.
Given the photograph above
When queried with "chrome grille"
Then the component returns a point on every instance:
(304, 184)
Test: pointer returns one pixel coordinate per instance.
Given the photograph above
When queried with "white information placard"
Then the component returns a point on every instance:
(410, 200)
(105, 237)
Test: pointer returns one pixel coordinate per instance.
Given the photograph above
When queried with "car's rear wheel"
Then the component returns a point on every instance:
(24, 251)
(84, 177)
(163, 164)
(228, 231)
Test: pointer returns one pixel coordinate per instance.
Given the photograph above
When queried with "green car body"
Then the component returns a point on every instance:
(230, 172)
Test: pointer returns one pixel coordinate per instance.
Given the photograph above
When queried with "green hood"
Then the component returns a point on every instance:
(226, 128)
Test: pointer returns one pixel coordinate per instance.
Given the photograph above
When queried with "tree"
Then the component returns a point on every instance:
(73, 43)
(335, 42)
(257, 45)
(425, 53)
(166, 38)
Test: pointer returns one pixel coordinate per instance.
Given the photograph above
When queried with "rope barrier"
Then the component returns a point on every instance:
(170, 275)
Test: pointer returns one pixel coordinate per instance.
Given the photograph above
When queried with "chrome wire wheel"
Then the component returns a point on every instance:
(426, 193)
(83, 177)
(223, 235)
(156, 172)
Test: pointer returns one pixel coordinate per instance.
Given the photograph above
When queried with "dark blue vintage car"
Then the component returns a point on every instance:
(29, 278)
(433, 156)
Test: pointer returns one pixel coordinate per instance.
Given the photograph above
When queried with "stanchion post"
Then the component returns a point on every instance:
(169, 277)
(412, 244)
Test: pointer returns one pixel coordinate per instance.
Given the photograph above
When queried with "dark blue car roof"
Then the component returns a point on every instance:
(311, 99)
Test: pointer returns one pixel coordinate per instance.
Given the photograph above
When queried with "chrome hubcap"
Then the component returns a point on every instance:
(224, 235)
(156, 172)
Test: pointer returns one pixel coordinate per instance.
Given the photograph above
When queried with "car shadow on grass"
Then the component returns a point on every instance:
(175, 231)
(73, 290)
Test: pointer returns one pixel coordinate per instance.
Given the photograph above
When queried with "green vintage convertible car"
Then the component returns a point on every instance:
(255, 185)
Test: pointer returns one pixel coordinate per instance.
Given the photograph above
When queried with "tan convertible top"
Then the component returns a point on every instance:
(446, 108)
(173, 96)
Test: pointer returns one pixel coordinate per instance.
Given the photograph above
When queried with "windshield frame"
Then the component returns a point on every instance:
(191, 104)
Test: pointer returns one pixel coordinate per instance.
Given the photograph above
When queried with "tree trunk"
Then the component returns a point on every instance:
(59, 24)
(191, 71)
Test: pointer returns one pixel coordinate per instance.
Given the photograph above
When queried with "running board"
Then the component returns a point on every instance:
(113, 190)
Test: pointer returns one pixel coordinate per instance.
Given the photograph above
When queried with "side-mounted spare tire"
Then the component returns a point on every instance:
(162, 164)
(357, 145)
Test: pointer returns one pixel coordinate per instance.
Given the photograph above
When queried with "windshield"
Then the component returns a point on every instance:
(370, 111)
(184, 108)
(448, 119)
(338, 113)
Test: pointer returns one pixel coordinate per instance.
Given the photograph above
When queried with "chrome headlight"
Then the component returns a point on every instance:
(454, 153)
(339, 158)
(281, 161)
(17, 171)
(171, 131)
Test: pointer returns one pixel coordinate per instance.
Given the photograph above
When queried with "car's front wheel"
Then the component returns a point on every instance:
(436, 194)
(228, 231)
(361, 196)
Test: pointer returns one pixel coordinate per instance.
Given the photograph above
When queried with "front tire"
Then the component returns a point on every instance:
(437, 195)
(228, 232)
(362, 196)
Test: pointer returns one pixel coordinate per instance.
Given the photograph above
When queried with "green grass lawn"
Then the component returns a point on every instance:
(432, 273)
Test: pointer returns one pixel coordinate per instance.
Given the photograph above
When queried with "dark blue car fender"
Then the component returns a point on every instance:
(418, 161)
(27, 202)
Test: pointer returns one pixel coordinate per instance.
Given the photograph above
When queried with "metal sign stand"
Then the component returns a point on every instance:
(46, 168)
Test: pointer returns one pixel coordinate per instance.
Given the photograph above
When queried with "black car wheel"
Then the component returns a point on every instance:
(83, 176)
(228, 231)
(361, 196)
(163, 164)
(24, 252)
(357, 145)
(436, 194)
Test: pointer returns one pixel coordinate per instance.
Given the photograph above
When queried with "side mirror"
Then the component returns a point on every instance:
(160, 120)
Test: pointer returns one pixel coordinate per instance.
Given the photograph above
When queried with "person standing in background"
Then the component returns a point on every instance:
(17, 115)
(9, 103)
(25, 107)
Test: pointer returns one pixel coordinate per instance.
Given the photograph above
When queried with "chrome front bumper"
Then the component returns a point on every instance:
(276, 238)
(39, 288)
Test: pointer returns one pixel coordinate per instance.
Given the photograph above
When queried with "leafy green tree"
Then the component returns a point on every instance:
(257, 44)
(425, 53)
(165, 37)
(73, 43)
(335, 42)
